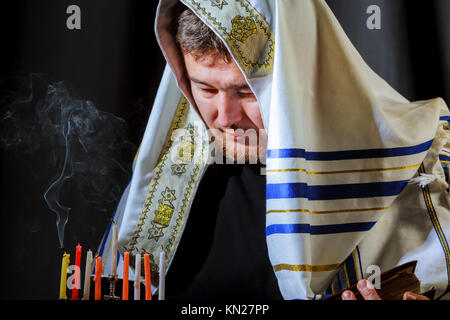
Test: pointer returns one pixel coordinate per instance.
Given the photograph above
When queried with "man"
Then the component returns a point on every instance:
(340, 156)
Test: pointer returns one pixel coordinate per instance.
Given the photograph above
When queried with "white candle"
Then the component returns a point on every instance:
(137, 278)
(162, 275)
(87, 275)
(115, 244)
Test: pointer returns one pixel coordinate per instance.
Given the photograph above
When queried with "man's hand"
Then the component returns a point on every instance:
(369, 292)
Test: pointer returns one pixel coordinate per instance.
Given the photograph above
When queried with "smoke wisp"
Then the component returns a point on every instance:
(82, 145)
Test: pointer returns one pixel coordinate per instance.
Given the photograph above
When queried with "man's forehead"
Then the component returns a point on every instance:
(215, 72)
(230, 85)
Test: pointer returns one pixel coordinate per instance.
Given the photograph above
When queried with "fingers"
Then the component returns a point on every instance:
(413, 296)
(367, 290)
(348, 295)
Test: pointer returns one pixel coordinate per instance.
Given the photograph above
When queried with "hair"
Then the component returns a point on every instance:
(196, 38)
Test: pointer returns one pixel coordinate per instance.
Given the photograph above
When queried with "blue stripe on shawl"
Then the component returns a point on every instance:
(359, 262)
(351, 270)
(318, 229)
(333, 192)
(102, 245)
(349, 154)
(444, 157)
(446, 118)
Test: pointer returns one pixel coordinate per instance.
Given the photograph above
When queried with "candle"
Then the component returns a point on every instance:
(148, 282)
(137, 278)
(162, 275)
(76, 280)
(87, 275)
(98, 278)
(63, 285)
(115, 243)
(126, 261)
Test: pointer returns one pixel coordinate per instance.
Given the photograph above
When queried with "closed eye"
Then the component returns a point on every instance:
(245, 94)
(211, 91)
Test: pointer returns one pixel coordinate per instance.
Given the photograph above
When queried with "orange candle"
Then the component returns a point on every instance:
(76, 279)
(98, 278)
(148, 283)
(126, 263)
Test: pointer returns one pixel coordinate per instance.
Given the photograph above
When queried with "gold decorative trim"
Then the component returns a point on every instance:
(156, 228)
(179, 115)
(306, 267)
(342, 171)
(219, 3)
(326, 212)
(244, 30)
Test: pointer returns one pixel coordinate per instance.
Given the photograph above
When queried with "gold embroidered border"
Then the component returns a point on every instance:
(179, 115)
(258, 68)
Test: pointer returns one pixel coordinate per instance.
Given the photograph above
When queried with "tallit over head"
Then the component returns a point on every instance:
(355, 172)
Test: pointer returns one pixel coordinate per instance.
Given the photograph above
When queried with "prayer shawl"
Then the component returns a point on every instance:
(356, 174)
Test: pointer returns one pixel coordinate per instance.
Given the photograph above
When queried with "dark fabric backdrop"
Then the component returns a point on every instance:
(114, 62)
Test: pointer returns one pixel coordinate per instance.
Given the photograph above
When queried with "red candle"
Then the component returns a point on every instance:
(148, 283)
(126, 263)
(98, 278)
(76, 279)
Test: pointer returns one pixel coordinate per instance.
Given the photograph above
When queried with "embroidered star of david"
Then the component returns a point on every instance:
(219, 3)
(156, 232)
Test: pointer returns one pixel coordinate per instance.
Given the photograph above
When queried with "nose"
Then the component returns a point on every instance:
(229, 111)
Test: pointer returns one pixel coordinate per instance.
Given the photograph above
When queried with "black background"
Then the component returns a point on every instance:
(115, 62)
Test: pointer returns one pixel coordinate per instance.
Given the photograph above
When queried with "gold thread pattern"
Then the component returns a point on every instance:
(169, 206)
(187, 147)
(242, 28)
(178, 169)
(306, 267)
(179, 115)
(347, 280)
(248, 37)
(163, 214)
(327, 212)
(219, 3)
(342, 171)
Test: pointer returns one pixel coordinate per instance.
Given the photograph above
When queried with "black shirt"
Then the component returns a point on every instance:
(223, 253)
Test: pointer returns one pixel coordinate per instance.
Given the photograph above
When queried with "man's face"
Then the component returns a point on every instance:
(225, 102)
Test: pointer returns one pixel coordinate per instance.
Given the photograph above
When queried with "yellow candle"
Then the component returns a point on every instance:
(63, 285)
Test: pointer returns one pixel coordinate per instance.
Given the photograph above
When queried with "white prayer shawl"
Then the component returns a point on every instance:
(349, 159)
